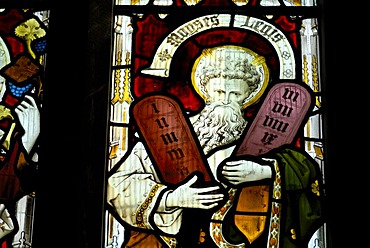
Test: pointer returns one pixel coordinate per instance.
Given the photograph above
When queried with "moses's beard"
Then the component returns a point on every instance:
(219, 125)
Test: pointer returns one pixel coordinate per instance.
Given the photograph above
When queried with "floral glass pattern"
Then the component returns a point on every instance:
(23, 40)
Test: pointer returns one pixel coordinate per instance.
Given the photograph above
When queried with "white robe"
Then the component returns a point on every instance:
(135, 189)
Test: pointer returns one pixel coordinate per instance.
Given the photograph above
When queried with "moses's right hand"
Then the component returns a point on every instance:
(185, 196)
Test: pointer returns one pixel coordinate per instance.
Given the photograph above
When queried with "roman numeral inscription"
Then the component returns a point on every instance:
(169, 139)
(162, 122)
(278, 119)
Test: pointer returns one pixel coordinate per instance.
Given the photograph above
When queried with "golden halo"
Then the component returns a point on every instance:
(210, 55)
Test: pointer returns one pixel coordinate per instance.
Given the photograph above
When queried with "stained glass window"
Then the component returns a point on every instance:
(216, 134)
(23, 40)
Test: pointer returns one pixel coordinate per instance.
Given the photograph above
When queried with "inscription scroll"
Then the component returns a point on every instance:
(170, 141)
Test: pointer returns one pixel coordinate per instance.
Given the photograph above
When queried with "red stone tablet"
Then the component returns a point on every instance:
(170, 141)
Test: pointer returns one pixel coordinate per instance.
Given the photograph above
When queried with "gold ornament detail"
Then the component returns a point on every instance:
(30, 30)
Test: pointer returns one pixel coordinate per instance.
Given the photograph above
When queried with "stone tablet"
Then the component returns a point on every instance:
(278, 119)
(170, 141)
